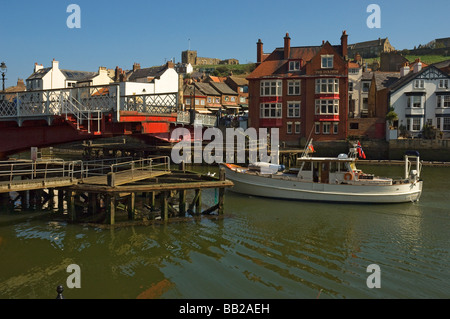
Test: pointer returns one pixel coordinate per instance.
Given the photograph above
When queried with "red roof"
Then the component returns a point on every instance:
(275, 65)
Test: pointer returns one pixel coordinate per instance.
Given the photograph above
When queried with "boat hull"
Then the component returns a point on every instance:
(268, 186)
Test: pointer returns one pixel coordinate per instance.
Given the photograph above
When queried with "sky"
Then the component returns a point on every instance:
(120, 33)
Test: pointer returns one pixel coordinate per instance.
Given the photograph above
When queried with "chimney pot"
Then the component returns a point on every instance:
(287, 46)
(259, 51)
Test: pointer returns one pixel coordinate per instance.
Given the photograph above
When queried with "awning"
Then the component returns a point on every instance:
(232, 106)
(204, 111)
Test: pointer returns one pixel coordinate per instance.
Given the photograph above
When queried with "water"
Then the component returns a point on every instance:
(263, 248)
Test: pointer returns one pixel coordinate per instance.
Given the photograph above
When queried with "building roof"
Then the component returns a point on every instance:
(385, 79)
(39, 74)
(275, 64)
(223, 88)
(443, 65)
(154, 72)
(367, 76)
(353, 65)
(411, 76)
(238, 81)
(78, 75)
(206, 88)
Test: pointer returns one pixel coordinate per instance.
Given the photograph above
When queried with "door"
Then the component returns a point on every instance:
(325, 173)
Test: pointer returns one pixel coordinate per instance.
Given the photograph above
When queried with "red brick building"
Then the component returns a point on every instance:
(301, 90)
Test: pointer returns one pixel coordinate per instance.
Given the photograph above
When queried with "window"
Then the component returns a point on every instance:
(327, 61)
(294, 87)
(446, 100)
(443, 84)
(294, 66)
(226, 98)
(418, 84)
(202, 102)
(365, 104)
(242, 99)
(293, 109)
(326, 128)
(350, 86)
(217, 99)
(414, 101)
(354, 126)
(209, 100)
(416, 124)
(317, 128)
(271, 88)
(270, 110)
(297, 127)
(233, 99)
(353, 71)
(335, 128)
(188, 101)
(289, 128)
(438, 123)
(197, 102)
(327, 107)
(241, 89)
(446, 124)
(366, 87)
(327, 85)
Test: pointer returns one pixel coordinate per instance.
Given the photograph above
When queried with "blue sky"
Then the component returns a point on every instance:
(119, 33)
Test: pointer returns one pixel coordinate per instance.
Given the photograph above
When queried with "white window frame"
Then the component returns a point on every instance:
(415, 124)
(335, 128)
(271, 88)
(328, 59)
(317, 128)
(293, 109)
(443, 84)
(326, 128)
(294, 65)
(270, 110)
(419, 84)
(329, 105)
(289, 128)
(327, 85)
(446, 126)
(350, 86)
(297, 127)
(188, 101)
(294, 87)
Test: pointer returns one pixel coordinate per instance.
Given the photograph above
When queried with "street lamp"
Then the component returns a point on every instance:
(3, 69)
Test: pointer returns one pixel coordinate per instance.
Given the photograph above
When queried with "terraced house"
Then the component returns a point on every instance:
(301, 90)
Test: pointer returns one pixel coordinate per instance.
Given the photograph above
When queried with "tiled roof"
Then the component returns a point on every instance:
(39, 74)
(223, 88)
(154, 72)
(78, 75)
(385, 79)
(239, 81)
(275, 64)
(206, 88)
(353, 65)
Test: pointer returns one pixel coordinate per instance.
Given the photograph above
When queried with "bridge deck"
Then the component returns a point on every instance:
(123, 177)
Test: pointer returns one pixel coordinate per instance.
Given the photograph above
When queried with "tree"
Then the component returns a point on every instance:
(391, 116)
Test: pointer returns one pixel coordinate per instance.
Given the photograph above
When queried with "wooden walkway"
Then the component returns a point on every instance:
(121, 178)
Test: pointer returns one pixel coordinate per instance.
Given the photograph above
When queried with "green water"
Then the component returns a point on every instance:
(263, 248)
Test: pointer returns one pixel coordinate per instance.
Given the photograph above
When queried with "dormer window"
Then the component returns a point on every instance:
(419, 84)
(443, 84)
(294, 65)
(327, 61)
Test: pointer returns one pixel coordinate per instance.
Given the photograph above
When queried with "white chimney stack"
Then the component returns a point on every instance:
(404, 70)
(417, 67)
(38, 67)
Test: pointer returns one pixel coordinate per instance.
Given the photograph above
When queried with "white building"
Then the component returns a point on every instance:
(153, 80)
(56, 78)
(421, 96)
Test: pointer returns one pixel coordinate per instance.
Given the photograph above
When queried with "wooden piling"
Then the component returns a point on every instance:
(198, 201)
(164, 205)
(182, 202)
(131, 206)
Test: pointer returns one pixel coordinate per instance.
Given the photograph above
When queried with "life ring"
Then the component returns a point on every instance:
(348, 176)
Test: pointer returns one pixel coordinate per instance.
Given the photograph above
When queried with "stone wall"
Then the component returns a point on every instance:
(430, 150)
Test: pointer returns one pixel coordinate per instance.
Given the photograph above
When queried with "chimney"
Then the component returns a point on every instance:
(417, 66)
(55, 64)
(259, 51)
(404, 70)
(170, 65)
(344, 44)
(38, 67)
(116, 74)
(136, 66)
(287, 46)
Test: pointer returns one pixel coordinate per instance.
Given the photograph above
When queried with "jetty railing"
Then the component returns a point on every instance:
(158, 163)
(22, 170)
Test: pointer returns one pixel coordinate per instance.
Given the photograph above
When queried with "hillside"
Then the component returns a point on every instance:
(240, 70)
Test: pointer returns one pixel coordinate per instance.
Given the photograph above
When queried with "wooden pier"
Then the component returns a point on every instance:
(96, 192)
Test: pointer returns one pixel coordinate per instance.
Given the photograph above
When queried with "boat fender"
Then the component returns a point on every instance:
(348, 176)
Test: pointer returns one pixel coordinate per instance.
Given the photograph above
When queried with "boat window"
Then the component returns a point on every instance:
(333, 167)
(306, 166)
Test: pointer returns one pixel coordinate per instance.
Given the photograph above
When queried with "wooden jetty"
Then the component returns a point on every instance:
(98, 190)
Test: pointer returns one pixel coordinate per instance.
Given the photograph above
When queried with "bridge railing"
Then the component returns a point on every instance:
(184, 117)
(165, 103)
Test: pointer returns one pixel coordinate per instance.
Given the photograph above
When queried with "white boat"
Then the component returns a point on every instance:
(330, 179)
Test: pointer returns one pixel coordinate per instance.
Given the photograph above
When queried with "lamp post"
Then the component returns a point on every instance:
(3, 70)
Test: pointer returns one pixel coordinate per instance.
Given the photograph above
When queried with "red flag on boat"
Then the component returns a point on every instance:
(361, 153)
(311, 147)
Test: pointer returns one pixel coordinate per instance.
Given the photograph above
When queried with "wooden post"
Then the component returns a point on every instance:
(111, 202)
(71, 204)
(51, 200)
(182, 202)
(93, 203)
(131, 203)
(198, 202)
(60, 200)
(164, 205)
(152, 200)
